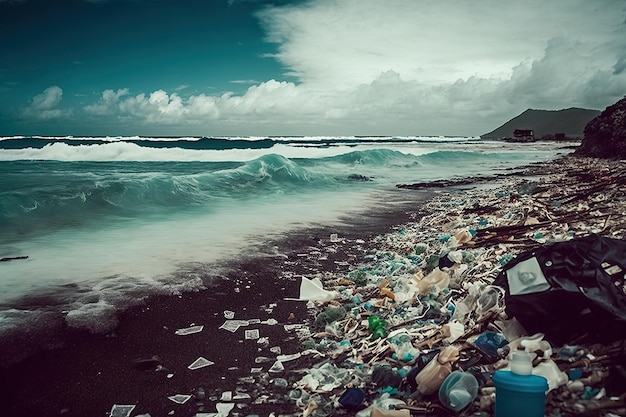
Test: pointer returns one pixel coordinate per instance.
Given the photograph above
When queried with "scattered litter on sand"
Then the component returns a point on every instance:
(493, 296)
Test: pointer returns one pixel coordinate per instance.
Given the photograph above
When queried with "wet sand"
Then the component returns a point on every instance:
(87, 374)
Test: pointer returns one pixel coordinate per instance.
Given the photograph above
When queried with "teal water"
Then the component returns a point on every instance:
(107, 221)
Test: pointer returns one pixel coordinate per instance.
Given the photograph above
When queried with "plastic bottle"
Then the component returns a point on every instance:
(377, 326)
(458, 390)
(519, 387)
(435, 372)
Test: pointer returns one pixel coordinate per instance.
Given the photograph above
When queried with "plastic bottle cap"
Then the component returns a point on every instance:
(521, 362)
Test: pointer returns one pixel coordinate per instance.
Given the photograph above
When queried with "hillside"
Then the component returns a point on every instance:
(570, 121)
(605, 136)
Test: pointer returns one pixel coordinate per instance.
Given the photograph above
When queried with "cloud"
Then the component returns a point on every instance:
(245, 82)
(47, 100)
(44, 106)
(160, 107)
(405, 67)
(389, 104)
(425, 41)
(107, 103)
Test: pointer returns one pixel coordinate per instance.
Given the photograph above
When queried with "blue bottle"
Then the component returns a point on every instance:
(518, 392)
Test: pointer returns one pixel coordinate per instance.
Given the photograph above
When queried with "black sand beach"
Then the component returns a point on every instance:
(88, 374)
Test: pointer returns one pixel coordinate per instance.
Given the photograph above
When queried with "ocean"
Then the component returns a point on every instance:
(105, 222)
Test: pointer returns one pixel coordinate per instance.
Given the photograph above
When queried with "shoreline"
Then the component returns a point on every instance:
(91, 373)
(86, 374)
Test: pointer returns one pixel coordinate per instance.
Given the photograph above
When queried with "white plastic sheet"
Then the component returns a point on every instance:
(313, 290)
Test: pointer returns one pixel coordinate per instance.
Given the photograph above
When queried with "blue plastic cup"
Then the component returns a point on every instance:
(519, 395)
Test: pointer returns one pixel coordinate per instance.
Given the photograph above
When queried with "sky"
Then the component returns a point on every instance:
(302, 67)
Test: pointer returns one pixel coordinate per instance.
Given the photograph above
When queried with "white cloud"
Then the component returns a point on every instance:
(44, 106)
(346, 42)
(245, 81)
(47, 100)
(108, 102)
(411, 67)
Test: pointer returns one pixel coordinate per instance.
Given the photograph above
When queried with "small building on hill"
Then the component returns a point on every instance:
(524, 134)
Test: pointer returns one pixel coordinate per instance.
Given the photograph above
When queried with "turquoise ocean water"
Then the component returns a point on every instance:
(107, 221)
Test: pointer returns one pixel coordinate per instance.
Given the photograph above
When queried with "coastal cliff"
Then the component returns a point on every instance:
(605, 135)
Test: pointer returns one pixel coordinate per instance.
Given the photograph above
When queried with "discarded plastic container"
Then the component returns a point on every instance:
(519, 395)
(435, 372)
(436, 281)
(458, 390)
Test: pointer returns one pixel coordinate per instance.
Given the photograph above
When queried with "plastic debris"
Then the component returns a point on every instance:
(313, 290)
(431, 320)
(352, 398)
(121, 410)
(200, 363)
(458, 390)
(224, 409)
(277, 367)
(289, 357)
(563, 289)
(252, 334)
(180, 398)
(189, 330)
(233, 325)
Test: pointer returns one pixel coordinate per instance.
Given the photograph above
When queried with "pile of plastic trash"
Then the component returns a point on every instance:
(505, 300)
(525, 280)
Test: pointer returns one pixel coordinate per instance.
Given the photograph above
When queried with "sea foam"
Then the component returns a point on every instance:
(107, 222)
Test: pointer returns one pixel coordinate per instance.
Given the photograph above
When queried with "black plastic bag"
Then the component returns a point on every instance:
(569, 290)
